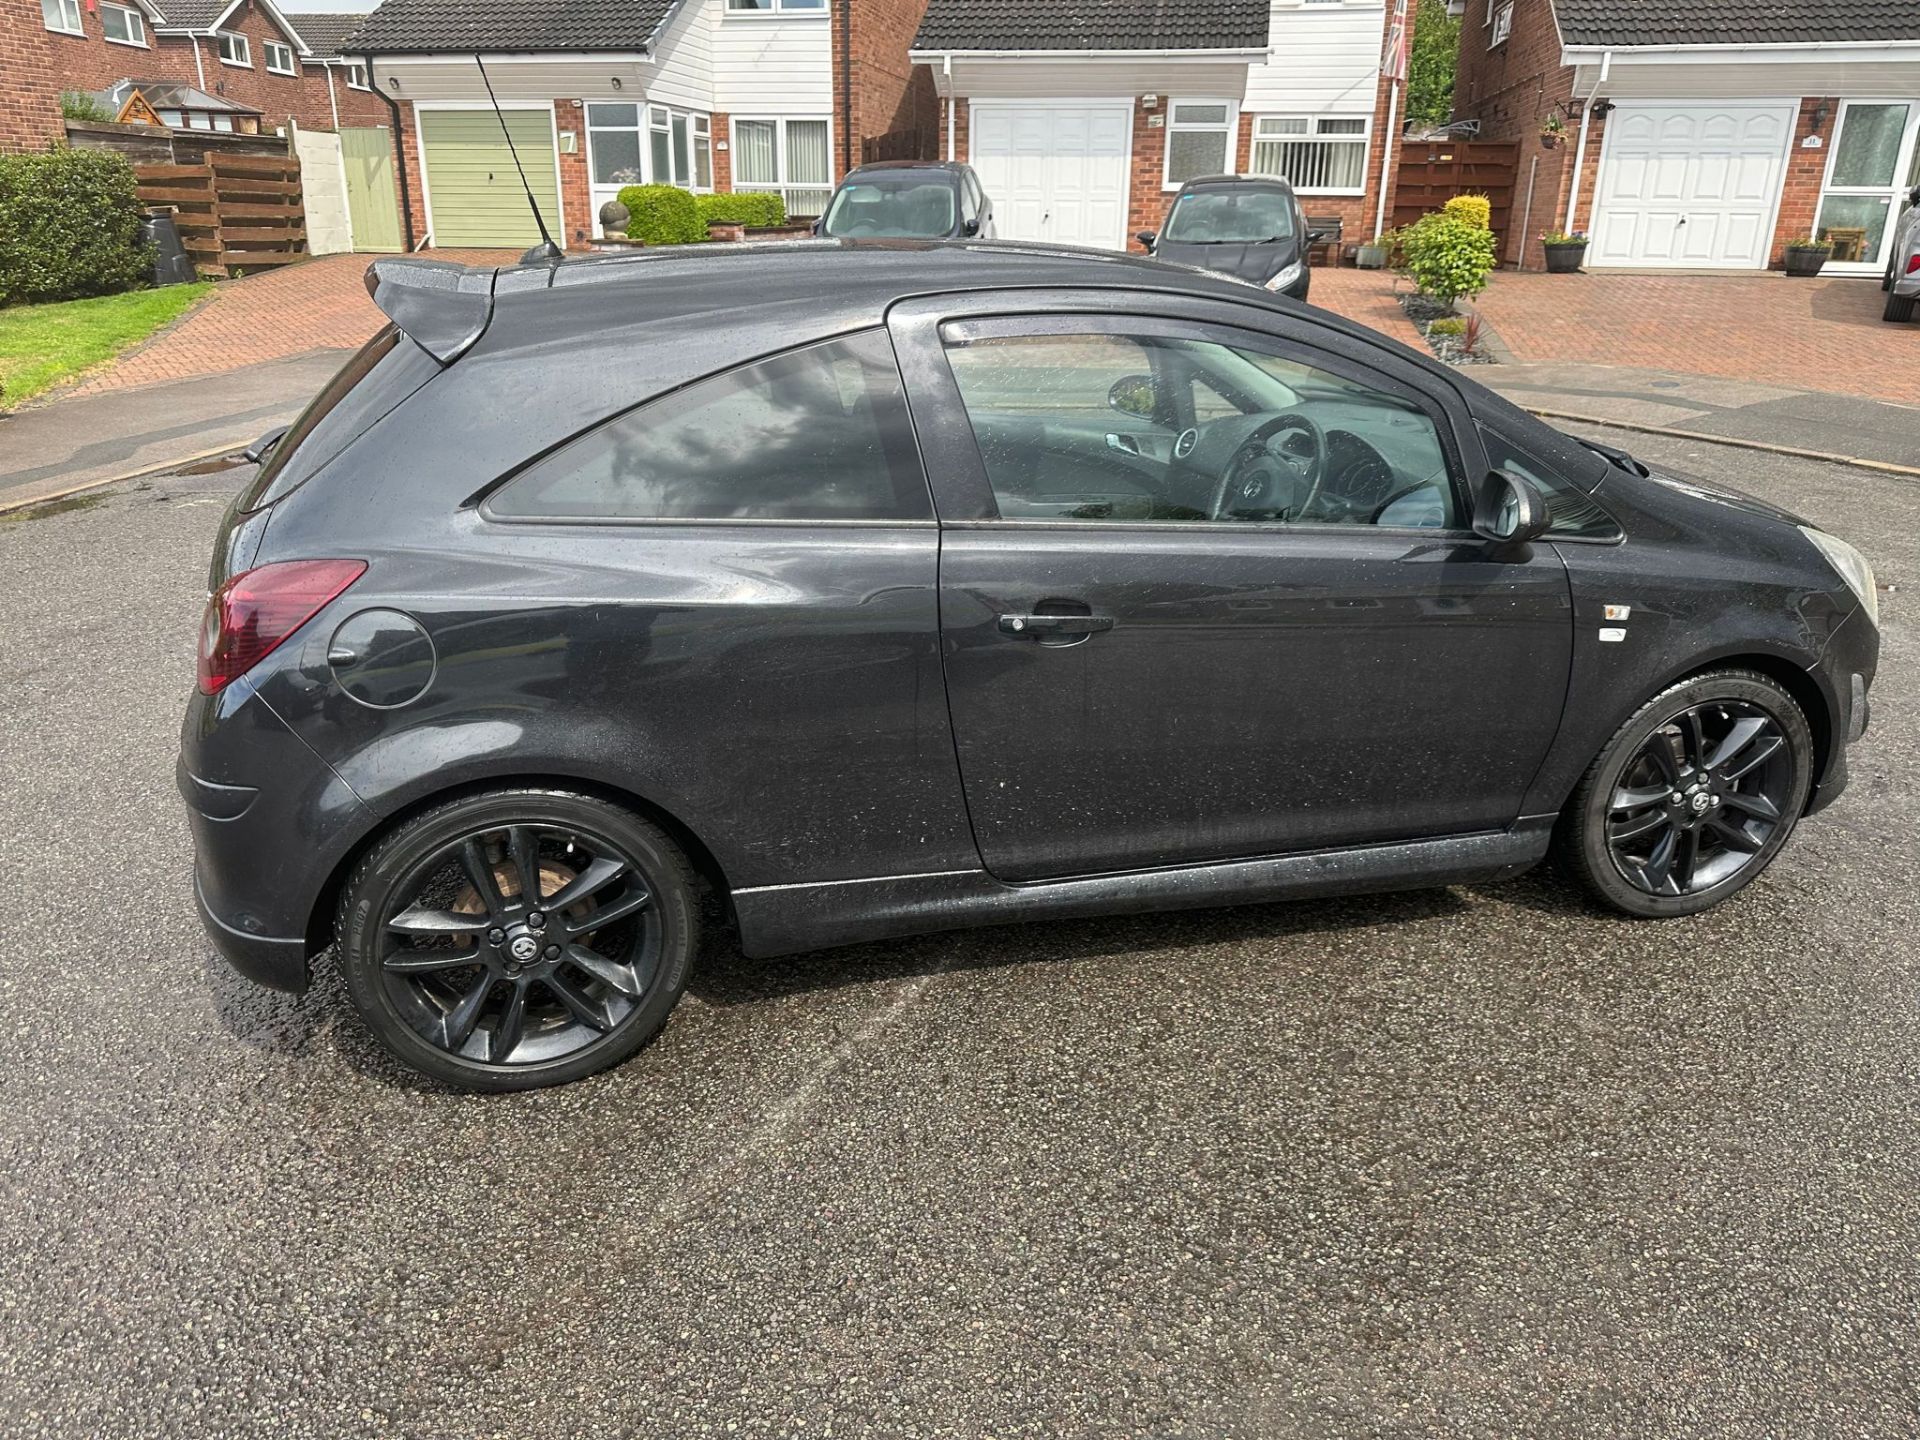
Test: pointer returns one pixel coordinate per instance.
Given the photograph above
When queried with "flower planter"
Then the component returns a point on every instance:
(1805, 262)
(725, 230)
(1549, 142)
(1564, 259)
(1371, 257)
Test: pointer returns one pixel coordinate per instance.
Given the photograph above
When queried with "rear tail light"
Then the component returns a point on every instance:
(253, 613)
(1913, 262)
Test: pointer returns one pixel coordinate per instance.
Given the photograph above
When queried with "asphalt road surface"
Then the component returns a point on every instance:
(1463, 1163)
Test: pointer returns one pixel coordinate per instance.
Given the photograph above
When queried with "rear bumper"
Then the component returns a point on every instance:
(272, 824)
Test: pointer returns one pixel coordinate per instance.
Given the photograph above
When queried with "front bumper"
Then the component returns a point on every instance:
(1847, 668)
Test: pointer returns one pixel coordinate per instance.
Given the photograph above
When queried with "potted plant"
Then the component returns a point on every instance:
(1805, 257)
(1551, 129)
(1564, 251)
(1372, 254)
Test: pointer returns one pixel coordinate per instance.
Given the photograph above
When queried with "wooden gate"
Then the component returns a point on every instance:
(899, 145)
(367, 154)
(235, 214)
(1431, 172)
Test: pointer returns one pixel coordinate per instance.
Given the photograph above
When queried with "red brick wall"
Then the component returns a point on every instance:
(722, 151)
(31, 61)
(960, 136)
(1146, 201)
(1800, 194)
(1511, 90)
(576, 195)
(885, 90)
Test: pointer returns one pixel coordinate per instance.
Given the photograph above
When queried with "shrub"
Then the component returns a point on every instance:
(1563, 237)
(662, 215)
(742, 207)
(69, 226)
(1474, 209)
(1448, 257)
(78, 105)
(1448, 325)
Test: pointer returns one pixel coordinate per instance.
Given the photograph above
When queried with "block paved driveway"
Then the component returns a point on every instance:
(319, 304)
(1804, 334)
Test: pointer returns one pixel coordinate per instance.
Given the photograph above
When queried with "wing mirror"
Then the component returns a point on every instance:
(1146, 238)
(1315, 237)
(1133, 395)
(258, 452)
(1509, 510)
(969, 227)
(1913, 196)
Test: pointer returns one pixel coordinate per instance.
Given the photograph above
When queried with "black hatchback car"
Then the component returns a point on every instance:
(850, 591)
(1251, 229)
(910, 200)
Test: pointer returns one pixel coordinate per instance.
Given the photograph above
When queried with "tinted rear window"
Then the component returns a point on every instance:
(819, 433)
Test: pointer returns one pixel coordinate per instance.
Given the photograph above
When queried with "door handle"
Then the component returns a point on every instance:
(1047, 627)
(1125, 444)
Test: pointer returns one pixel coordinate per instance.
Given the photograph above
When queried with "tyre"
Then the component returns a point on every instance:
(1692, 798)
(1899, 307)
(465, 978)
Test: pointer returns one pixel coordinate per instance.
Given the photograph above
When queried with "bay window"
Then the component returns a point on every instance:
(794, 157)
(1316, 154)
(1199, 140)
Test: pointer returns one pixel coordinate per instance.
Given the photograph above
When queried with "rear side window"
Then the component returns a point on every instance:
(1570, 510)
(819, 433)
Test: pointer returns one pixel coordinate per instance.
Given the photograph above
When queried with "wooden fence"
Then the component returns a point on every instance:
(899, 145)
(1431, 172)
(235, 213)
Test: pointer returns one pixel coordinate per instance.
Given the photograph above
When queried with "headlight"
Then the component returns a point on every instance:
(1286, 275)
(1850, 565)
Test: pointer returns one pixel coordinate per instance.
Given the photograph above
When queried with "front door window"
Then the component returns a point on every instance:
(1873, 163)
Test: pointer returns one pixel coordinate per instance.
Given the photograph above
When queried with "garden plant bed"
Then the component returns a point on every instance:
(1449, 349)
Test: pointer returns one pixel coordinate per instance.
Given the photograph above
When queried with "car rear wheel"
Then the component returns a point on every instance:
(1899, 307)
(519, 939)
(1692, 798)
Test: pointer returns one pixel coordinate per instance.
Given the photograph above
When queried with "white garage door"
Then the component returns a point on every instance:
(1055, 172)
(1690, 185)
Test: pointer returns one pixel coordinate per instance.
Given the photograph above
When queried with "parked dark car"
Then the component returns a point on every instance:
(847, 591)
(911, 200)
(1248, 228)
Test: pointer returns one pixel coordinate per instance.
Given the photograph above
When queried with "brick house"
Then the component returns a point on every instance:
(245, 52)
(1700, 135)
(711, 95)
(1083, 122)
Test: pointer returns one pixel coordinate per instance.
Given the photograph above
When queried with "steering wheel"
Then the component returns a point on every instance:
(1258, 469)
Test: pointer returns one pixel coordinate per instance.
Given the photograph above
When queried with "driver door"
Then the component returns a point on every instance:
(1135, 683)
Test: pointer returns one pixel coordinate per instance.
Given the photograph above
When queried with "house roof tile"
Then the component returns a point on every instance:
(1628, 23)
(401, 27)
(323, 30)
(1082, 25)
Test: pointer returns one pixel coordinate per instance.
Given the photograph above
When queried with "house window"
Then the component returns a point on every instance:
(1502, 23)
(681, 146)
(172, 118)
(772, 7)
(794, 157)
(62, 15)
(123, 26)
(1316, 154)
(279, 58)
(357, 78)
(1199, 140)
(234, 49)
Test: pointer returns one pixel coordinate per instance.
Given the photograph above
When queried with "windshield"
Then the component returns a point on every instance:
(1229, 217)
(902, 205)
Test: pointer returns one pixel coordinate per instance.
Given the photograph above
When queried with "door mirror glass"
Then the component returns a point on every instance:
(1133, 395)
(1146, 238)
(1509, 510)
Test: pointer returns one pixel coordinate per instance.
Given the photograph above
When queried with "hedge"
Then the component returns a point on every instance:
(662, 215)
(743, 207)
(1474, 209)
(69, 226)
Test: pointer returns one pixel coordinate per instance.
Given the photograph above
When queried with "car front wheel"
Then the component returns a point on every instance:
(518, 939)
(1692, 798)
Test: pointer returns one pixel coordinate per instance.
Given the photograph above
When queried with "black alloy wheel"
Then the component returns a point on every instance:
(519, 939)
(1693, 797)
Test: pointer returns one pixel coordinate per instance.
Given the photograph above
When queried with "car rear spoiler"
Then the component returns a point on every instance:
(440, 306)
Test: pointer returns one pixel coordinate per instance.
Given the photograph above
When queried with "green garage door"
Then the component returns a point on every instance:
(473, 192)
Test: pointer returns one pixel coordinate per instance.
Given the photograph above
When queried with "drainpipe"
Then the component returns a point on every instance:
(846, 86)
(948, 66)
(1580, 150)
(199, 67)
(1389, 144)
(333, 101)
(399, 150)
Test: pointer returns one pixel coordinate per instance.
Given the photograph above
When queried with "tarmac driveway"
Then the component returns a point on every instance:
(1460, 1163)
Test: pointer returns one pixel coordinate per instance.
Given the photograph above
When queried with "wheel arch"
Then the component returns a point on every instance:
(319, 929)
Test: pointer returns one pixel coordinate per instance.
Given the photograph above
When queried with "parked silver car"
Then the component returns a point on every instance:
(1902, 282)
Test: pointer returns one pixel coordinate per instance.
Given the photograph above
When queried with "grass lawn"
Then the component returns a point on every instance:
(46, 345)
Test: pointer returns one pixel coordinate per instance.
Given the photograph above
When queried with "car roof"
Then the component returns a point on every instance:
(733, 293)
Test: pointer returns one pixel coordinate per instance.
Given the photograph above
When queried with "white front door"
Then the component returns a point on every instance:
(1872, 164)
(1690, 185)
(1056, 171)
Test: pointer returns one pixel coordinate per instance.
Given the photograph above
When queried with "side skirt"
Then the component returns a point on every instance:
(784, 919)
